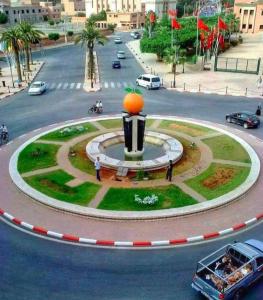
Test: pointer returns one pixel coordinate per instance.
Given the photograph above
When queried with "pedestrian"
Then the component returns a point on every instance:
(169, 172)
(97, 168)
(258, 111)
(259, 82)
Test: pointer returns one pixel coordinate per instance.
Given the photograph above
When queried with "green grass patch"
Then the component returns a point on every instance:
(54, 185)
(37, 156)
(218, 180)
(187, 128)
(123, 198)
(224, 147)
(69, 132)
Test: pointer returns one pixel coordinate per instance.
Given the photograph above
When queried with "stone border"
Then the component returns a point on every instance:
(200, 207)
(173, 151)
(128, 244)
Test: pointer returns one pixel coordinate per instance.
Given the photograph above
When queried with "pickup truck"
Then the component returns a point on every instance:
(229, 271)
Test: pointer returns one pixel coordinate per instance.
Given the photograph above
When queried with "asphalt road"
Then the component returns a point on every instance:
(34, 268)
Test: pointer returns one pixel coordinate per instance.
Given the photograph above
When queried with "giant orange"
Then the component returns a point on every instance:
(133, 103)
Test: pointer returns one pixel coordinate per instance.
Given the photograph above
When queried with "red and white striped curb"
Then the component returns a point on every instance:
(111, 243)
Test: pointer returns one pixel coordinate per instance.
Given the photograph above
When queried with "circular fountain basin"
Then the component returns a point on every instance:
(159, 149)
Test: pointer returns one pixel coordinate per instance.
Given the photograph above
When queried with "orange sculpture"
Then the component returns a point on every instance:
(133, 102)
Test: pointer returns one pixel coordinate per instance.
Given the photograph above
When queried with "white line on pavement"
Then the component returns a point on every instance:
(72, 85)
(106, 85)
(112, 84)
(78, 85)
(59, 85)
(65, 86)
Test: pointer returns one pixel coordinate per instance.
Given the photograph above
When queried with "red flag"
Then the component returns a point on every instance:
(202, 40)
(221, 41)
(175, 24)
(221, 24)
(152, 17)
(210, 40)
(172, 12)
(201, 25)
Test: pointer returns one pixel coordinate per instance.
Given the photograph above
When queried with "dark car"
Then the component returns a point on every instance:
(135, 35)
(116, 64)
(244, 118)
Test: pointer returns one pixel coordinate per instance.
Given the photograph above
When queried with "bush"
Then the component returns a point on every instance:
(53, 36)
(51, 22)
(234, 43)
(3, 18)
(240, 39)
(81, 14)
(45, 18)
(112, 27)
(70, 33)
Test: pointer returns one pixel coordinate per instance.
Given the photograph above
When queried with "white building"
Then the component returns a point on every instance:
(159, 6)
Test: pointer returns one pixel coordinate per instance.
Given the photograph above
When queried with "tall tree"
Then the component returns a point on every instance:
(88, 37)
(29, 34)
(171, 57)
(10, 38)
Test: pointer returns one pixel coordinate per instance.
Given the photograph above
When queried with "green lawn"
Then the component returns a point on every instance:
(69, 132)
(81, 160)
(187, 128)
(54, 185)
(117, 123)
(224, 147)
(37, 156)
(218, 180)
(123, 198)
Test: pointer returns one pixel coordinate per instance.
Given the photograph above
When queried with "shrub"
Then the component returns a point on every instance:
(45, 18)
(240, 39)
(234, 43)
(51, 22)
(53, 36)
(3, 18)
(70, 33)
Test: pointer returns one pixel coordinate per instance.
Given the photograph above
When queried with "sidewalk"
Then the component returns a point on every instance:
(195, 80)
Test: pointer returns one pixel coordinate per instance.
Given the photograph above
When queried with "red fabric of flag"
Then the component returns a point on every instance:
(175, 24)
(152, 17)
(202, 40)
(221, 24)
(172, 12)
(201, 25)
(221, 41)
(210, 40)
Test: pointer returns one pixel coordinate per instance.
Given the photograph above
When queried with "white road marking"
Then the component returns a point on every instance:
(65, 85)
(118, 84)
(78, 86)
(59, 85)
(106, 85)
(112, 84)
(72, 85)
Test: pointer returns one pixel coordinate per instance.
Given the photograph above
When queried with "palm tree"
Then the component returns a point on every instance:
(171, 57)
(182, 57)
(10, 38)
(29, 34)
(88, 37)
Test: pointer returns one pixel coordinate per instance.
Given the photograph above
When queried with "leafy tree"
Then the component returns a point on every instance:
(53, 36)
(101, 16)
(3, 18)
(70, 33)
(45, 18)
(51, 22)
(171, 57)
(112, 27)
(88, 37)
(28, 35)
(10, 39)
(182, 57)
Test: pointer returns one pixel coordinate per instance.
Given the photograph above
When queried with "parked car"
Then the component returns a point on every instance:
(121, 54)
(244, 118)
(116, 64)
(37, 88)
(117, 40)
(149, 81)
(229, 271)
(135, 34)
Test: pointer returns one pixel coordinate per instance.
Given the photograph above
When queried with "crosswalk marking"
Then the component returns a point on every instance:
(125, 84)
(65, 86)
(112, 84)
(52, 86)
(106, 85)
(72, 85)
(118, 84)
(78, 86)
(59, 85)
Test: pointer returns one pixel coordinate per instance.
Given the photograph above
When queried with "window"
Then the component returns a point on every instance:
(260, 27)
(245, 12)
(249, 26)
(251, 12)
(6, 12)
(243, 26)
(33, 11)
(22, 11)
(14, 12)
(15, 20)
(27, 11)
(39, 10)
(259, 261)
(240, 11)
(262, 12)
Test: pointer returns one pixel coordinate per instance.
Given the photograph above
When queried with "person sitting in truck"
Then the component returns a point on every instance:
(246, 269)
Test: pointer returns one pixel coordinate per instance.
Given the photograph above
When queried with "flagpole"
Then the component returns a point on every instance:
(197, 31)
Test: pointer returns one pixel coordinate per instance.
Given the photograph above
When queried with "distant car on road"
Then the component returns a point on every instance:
(37, 88)
(244, 118)
(135, 34)
(121, 54)
(117, 40)
(116, 64)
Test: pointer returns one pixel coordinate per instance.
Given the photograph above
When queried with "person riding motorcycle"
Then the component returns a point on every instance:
(4, 132)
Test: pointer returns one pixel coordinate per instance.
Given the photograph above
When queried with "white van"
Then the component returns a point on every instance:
(149, 81)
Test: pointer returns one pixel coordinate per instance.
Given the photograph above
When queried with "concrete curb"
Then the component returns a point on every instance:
(128, 244)
(25, 87)
(87, 211)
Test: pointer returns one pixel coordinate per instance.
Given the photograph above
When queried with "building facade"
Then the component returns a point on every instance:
(250, 14)
(50, 11)
(126, 20)
(73, 7)
(160, 7)
(29, 13)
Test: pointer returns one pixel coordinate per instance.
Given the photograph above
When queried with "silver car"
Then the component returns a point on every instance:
(37, 88)
(121, 54)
